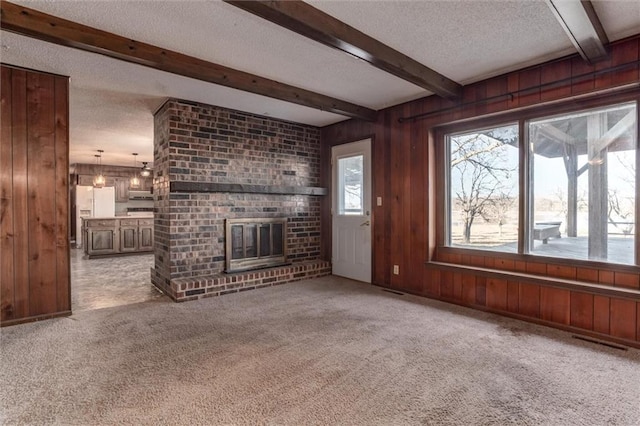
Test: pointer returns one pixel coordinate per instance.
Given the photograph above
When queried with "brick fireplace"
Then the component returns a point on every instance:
(214, 164)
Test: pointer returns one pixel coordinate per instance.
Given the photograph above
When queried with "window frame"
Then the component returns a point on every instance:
(522, 117)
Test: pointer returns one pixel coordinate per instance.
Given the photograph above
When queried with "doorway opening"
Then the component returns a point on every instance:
(111, 253)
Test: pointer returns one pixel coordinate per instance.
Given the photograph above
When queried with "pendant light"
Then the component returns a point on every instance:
(135, 180)
(146, 171)
(99, 180)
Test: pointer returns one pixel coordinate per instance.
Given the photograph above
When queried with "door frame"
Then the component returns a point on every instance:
(371, 198)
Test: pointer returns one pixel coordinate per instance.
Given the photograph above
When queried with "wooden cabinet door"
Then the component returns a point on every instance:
(146, 184)
(145, 235)
(128, 238)
(122, 190)
(85, 180)
(101, 241)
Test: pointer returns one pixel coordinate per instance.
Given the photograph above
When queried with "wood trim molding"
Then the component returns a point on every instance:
(35, 318)
(32, 23)
(203, 187)
(310, 22)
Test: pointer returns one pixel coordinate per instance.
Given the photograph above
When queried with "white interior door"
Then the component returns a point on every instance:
(351, 211)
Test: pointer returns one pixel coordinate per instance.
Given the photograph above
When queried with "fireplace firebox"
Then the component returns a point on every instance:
(255, 243)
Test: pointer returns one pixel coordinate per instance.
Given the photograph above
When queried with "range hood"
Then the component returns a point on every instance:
(140, 195)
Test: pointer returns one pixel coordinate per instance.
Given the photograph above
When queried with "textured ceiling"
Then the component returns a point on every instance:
(112, 101)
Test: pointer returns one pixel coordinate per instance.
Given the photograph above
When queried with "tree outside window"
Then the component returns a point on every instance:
(483, 188)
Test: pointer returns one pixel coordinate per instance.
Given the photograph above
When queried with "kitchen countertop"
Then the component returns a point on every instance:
(149, 216)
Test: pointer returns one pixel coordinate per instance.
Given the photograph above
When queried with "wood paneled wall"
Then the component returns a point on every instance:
(34, 170)
(404, 226)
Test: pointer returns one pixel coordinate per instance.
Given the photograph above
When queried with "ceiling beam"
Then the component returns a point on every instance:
(557, 135)
(310, 22)
(32, 23)
(579, 20)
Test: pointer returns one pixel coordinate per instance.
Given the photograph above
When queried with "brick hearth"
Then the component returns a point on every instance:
(213, 164)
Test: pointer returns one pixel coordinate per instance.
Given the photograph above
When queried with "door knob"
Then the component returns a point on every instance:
(367, 223)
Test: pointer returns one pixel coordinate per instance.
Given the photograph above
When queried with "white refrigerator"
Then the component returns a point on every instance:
(93, 202)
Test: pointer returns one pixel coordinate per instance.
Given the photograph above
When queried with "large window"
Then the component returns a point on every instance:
(583, 184)
(483, 189)
(572, 186)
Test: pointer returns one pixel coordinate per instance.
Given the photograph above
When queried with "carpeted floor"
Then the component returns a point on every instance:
(324, 351)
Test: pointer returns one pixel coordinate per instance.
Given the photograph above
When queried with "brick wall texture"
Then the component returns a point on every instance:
(202, 143)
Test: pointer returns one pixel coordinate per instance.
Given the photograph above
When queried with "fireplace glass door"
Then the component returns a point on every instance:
(255, 243)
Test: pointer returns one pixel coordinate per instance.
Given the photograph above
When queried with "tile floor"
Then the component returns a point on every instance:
(112, 281)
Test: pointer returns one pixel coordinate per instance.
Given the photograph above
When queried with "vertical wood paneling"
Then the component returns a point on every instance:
(561, 271)
(481, 291)
(20, 195)
(601, 314)
(497, 294)
(388, 201)
(418, 211)
(513, 85)
(7, 279)
(623, 313)
(606, 277)
(504, 264)
(468, 289)
(603, 80)
(446, 284)
(41, 190)
(398, 198)
(553, 72)
(468, 97)
(513, 296)
(537, 268)
(497, 86)
(579, 83)
(587, 275)
(432, 286)
(623, 279)
(520, 266)
(582, 310)
(624, 53)
(61, 136)
(638, 321)
(555, 305)
(407, 272)
(529, 81)
(529, 301)
(380, 165)
(326, 236)
(35, 167)
(457, 285)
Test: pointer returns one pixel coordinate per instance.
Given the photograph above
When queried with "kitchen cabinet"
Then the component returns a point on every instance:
(146, 184)
(145, 234)
(100, 236)
(128, 235)
(117, 236)
(85, 180)
(122, 190)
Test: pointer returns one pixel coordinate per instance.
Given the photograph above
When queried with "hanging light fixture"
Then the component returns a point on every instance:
(135, 180)
(99, 180)
(146, 171)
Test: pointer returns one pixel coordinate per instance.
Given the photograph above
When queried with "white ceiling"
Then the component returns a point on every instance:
(112, 102)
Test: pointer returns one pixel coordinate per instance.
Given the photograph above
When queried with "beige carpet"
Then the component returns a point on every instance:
(325, 351)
